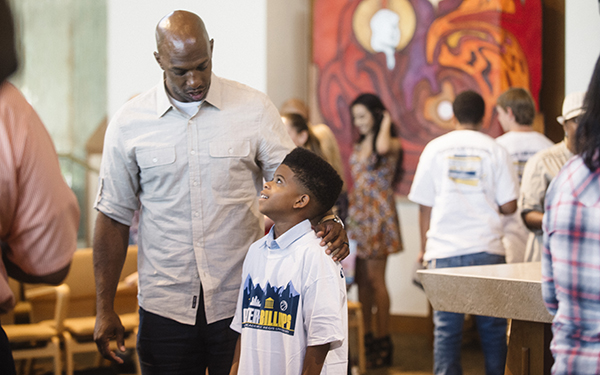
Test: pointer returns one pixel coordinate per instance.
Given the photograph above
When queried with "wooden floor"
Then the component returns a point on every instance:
(413, 355)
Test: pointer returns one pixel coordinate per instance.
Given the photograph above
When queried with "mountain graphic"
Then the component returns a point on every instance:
(277, 304)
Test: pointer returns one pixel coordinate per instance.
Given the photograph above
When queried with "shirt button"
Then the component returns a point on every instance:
(154, 160)
(231, 151)
(195, 183)
(192, 152)
(196, 214)
(197, 243)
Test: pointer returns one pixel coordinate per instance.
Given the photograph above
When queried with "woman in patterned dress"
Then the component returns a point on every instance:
(372, 219)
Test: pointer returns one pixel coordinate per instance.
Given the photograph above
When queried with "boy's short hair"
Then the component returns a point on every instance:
(315, 175)
(469, 107)
(520, 102)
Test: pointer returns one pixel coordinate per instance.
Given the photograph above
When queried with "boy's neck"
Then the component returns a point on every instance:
(520, 128)
(460, 126)
(281, 226)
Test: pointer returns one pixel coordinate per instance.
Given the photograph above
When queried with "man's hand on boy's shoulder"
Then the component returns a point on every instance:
(334, 237)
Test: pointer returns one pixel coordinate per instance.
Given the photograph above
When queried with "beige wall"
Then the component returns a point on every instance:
(288, 49)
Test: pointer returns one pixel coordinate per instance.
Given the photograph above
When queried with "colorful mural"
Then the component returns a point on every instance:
(417, 55)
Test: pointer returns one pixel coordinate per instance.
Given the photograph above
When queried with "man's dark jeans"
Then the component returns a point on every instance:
(167, 347)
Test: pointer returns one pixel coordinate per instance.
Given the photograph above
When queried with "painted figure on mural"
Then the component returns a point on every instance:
(442, 48)
(385, 34)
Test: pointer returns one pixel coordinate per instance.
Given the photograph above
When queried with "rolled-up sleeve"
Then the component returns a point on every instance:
(118, 183)
(533, 187)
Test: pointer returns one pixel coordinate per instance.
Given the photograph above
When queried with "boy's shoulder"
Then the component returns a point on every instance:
(309, 242)
(514, 136)
(461, 138)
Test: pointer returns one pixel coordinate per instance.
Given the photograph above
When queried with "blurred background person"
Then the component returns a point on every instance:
(372, 217)
(571, 257)
(301, 134)
(330, 150)
(541, 169)
(516, 112)
(39, 214)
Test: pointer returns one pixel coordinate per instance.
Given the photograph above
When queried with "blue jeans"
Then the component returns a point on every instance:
(448, 327)
(167, 347)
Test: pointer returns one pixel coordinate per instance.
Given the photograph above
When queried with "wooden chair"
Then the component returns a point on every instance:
(79, 325)
(40, 339)
(355, 321)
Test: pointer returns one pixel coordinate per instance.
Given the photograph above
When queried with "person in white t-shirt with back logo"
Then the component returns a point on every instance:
(516, 112)
(464, 183)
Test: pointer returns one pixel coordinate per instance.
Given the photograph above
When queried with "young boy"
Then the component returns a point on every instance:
(516, 111)
(292, 310)
(463, 182)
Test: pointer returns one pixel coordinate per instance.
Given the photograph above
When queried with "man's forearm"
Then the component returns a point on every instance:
(424, 223)
(533, 220)
(110, 250)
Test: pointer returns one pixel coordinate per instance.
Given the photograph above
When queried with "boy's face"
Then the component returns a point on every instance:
(279, 195)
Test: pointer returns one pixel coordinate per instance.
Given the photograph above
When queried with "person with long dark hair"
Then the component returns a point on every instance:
(571, 256)
(301, 134)
(372, 218)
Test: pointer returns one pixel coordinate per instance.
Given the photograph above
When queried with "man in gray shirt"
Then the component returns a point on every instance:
(193, 152)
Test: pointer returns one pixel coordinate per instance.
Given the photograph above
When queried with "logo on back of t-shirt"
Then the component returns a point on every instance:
(464, 169)
(272, 308)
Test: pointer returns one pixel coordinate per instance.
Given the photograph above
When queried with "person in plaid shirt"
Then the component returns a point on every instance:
(571, 255)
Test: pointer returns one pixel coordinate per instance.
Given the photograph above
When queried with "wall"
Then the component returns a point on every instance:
(582, 40)
(288, 49)
(62, 66)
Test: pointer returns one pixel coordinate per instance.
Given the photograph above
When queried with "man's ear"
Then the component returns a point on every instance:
(302, 201)
(157, 57)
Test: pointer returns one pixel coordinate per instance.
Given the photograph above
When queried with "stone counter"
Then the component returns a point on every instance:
(505, 291)
(501, 290)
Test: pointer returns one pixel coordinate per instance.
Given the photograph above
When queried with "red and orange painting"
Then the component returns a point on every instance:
(417, 55)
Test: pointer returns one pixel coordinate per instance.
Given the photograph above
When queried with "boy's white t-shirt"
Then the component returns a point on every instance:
(464, 176)
(523, 145)
(520, 146)
(293, 295)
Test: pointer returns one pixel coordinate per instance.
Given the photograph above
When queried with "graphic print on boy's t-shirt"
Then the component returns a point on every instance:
(272, 308)
(519, 160)
(464, 169)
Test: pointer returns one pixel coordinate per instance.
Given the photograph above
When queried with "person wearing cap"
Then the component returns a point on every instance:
(541, 169)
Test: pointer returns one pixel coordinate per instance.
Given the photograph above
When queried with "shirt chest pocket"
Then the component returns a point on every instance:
(231, 165)
(159, 176)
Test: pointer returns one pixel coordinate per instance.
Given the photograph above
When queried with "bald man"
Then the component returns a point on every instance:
(193, 151)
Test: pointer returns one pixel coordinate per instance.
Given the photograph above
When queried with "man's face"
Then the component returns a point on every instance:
(570, 128)
(187, 66)
(279, 195)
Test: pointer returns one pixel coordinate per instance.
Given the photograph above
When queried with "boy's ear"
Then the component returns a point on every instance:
(510, 113)
(302, 201)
